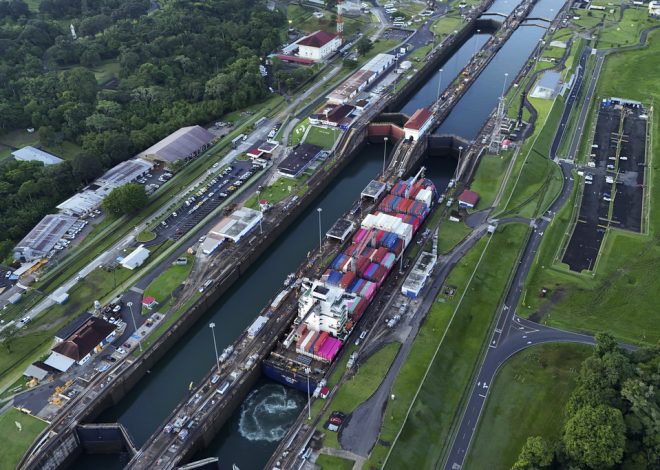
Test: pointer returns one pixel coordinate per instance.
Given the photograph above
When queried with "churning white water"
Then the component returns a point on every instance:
(268, 411)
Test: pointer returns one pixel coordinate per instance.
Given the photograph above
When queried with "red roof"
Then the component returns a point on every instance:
(317, 39)
(293, 58)
(418, 119)
(469, 197)
(148, 301)
(255, 152)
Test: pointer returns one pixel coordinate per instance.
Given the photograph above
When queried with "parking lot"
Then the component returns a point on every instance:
(205, 199)
(613, 183)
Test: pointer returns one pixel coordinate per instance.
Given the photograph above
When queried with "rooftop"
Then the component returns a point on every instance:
(68, 329)
(373, 189)
(418, 119)
(317, 39)
(47, 232)
(32, 154)
(469, 197)
(296, 162)
(82, 341)
(179, 145)
(124, 173)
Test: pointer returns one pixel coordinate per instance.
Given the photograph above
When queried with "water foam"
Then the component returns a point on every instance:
(267, 413)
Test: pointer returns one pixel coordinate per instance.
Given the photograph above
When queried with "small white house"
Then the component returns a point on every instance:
(318, 45)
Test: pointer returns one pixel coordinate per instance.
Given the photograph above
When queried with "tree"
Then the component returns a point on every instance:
(364, 45)
(86, 167)
(535, 454)
(47, 136)
(127, 199)
(595, 436)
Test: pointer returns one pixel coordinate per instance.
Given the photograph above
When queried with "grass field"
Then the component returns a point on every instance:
(526, 399)
(360, 387)
(323, 137)
(15, 442)
(163, 286)
(328, 462)
(622, 294)
(145, 236)
(488, 177)
(626, 31)
(446, 25)
(106, 71)
(451, 233)
(303, 19)
(278, 191)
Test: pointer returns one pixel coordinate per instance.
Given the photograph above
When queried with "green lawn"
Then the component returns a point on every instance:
(278, 191)
(106, 71)
(446, 25)
(163, 286)
(327, 462)
(360, 387)
(450, 234)
(15, 442)
(298, 132)
(526, 399)
(145, 236)
(488, 177)
(622, 295)
(303, 18)
(627, 31)
(323, 137)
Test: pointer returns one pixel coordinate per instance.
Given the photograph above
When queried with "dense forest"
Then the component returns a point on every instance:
(612, 416)
(180, 62)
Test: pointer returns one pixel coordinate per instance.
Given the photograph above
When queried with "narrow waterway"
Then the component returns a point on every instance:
(428, 92)
(469, 115)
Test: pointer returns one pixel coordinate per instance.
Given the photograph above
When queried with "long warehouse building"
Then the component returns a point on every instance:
(43, 237)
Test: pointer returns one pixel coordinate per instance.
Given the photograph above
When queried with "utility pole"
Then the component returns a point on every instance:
(130, 307)
(439, 84)
(384, 155)
(319, 210)
(215, 345)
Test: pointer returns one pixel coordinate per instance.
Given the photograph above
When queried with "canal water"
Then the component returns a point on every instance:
(252, 433)
(471, 112)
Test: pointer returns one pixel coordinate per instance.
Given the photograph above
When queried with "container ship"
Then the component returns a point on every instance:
(330, 307)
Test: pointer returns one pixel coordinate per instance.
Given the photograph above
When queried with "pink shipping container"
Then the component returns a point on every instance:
(379, 254)
(359, 235)
(330, 349)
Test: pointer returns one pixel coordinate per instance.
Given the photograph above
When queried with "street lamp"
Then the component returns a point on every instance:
(506, 75)
(384, 155)
(319, 210)
(439, 84)
(215, 345)
(309, 400)
(130, 307)
(460, 152)
(475, 43)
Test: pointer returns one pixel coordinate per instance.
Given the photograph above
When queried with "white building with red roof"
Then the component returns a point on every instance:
(418, 124)
(318, 45)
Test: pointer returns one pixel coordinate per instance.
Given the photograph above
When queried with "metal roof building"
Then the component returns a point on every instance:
(136, 258)
(32, 154)
(43, 237)
(187, 142)
(81, 203)
(238, 223)
(122, 174)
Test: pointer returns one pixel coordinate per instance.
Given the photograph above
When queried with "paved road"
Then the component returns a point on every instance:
(582, 118)
(572, 99)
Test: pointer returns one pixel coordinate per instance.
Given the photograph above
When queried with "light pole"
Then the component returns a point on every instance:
(475, 43)
(439, 84)
(506, 75)
(309, 400)
(460, 152)
(215, 345)
(319, 210)
(384, 155)
(130, 307)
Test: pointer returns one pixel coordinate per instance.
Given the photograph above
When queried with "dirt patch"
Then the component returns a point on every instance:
(557, 296)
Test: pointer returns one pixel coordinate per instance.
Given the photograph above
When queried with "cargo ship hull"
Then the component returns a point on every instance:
(293, 379)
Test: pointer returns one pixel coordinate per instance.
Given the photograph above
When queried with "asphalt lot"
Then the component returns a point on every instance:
(191, 211)
(614, 185)
(627, 204)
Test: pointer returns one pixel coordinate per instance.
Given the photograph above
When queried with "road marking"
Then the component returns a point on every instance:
(482, 396)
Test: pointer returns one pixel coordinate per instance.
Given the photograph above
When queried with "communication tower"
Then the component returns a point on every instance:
(340, 20)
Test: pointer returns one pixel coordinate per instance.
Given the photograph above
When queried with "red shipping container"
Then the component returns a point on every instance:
(346, 280)
(324, 335)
